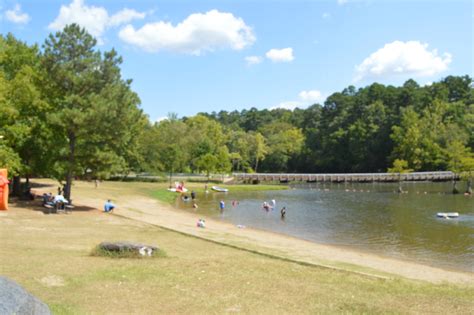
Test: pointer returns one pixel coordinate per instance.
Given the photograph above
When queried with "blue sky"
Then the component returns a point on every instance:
(201, 56)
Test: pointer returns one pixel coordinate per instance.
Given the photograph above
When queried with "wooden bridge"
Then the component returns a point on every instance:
(340, 178)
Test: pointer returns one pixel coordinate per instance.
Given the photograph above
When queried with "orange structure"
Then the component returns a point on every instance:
(3, 189)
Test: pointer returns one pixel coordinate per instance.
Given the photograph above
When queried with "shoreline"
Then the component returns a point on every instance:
(148, 210)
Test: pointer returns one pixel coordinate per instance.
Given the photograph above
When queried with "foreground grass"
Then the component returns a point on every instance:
(50, 256)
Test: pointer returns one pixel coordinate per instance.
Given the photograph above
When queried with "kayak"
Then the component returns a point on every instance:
(219, 189)
(447, 214)
(178, 190)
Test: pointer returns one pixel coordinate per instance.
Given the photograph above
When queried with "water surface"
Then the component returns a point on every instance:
(367, 217)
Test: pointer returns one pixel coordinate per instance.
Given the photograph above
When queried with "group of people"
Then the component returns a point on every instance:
(186, 198)
(267, 206)
(58, 201)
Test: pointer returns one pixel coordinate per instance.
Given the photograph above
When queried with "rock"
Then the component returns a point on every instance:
(142, 249)
(16, 300)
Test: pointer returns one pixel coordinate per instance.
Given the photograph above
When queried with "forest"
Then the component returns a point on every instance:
(66, 112)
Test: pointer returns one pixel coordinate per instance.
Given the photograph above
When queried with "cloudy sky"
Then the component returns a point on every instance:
(191, 56)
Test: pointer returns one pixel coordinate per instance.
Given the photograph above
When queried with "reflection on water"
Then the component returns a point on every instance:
(369, 217)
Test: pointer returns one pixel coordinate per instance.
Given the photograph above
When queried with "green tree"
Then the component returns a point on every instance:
(96, 115)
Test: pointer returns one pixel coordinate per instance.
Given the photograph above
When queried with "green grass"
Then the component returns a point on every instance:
(162, 194)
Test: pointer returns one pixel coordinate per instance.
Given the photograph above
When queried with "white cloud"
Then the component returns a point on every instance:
(326, 15)
(306, 98)
(160, 119)
(403, 58)
(253, 60)
(313, 96)
(16, 16)
(94, 19)
(125, 16)
(280, 55)
(342, 2)
(198, 33)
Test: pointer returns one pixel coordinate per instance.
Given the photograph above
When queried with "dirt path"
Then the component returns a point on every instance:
(153, 212)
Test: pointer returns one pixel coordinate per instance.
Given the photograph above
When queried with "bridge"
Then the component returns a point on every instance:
(341, 178)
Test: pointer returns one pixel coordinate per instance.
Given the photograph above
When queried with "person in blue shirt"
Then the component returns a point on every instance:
(109, 206)
(222, 205)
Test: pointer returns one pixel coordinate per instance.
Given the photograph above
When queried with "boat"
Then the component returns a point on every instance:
(447, 215)
(219, 189)
(178, 190)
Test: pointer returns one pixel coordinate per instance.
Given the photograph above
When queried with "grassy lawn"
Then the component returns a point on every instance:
(50, 255)
(161, 193)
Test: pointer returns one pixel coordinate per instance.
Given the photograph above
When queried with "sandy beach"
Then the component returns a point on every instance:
(148, 210)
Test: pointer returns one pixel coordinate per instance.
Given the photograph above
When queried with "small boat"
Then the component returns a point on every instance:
(178, 190)
(447, 215)
(219, 189)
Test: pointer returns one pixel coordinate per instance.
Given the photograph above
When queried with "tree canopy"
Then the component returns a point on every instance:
(66, 112)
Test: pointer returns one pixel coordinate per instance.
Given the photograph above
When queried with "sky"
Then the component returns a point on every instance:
(193, 56)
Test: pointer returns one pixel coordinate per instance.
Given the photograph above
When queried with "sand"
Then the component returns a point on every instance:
(149, 210)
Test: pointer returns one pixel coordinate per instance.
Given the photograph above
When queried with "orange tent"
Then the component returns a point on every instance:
(3, 189)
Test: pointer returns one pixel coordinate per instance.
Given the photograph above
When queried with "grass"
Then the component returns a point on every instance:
(162, 194)
(50, 256)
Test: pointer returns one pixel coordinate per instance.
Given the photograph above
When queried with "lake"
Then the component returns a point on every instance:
(365, 217)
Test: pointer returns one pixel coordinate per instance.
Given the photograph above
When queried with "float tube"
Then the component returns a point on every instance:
(3, 189)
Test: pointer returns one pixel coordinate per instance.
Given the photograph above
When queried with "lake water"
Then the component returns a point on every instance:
(366, 217)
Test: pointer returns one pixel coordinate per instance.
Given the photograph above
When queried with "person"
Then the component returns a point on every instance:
(283, 212)
(109, 206)
(265, 206)
(201, 223)
(273, 203)
(60, 202)
(48, 199)
(222, 205)
(193, 195)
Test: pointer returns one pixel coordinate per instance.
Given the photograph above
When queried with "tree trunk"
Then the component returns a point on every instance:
(455, 188)
(171, 176)
(70, 170)
(469, 186)
(16, 191)
(256, 165)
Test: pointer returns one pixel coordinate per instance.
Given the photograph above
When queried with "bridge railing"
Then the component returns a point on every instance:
(414, 176)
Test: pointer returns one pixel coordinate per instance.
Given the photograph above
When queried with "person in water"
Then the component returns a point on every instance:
(222, 205)
(283, 212)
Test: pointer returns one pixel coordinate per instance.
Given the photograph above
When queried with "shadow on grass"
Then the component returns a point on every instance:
(36, 205)
(100, 252)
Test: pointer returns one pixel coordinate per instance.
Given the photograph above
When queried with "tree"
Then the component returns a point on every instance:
(400, 167)
(23, 115)
(95, 115)
(461, 162)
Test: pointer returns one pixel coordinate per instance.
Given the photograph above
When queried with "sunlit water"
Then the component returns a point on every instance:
(366, 217)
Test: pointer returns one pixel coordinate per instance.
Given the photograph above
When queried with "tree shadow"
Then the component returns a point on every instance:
(42, 185)
(36, 205)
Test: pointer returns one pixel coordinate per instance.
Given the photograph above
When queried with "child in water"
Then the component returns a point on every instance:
(283, 212)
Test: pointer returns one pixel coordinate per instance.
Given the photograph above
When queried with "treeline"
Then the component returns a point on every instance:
(66, 112)
(366, 130)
